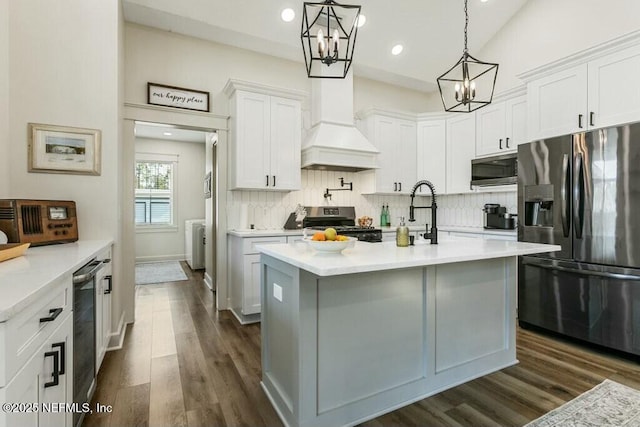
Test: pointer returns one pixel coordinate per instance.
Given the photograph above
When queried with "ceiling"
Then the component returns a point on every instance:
(431, 31)
(168, 132)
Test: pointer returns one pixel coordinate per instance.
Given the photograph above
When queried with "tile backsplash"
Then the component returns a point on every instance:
(269, 210)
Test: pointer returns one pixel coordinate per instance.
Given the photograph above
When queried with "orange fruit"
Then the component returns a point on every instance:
(319, 235)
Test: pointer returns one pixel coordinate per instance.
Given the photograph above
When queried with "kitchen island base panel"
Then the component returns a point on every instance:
(343, 349)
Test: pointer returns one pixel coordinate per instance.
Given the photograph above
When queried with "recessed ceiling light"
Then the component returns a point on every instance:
(484, 1)
(167, 133)
(397, 49)
(288, 15)
(361, 20)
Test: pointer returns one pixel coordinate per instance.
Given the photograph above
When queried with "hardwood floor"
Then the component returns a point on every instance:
(184, 364)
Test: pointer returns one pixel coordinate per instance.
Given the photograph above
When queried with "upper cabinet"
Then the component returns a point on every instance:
(461, 149)
(614, 93)
(394, 134)
(265, 134)
(557, 103)
(501, 126)
(431, 153)
(594, 89)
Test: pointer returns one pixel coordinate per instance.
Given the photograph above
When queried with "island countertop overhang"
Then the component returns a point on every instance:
(367, 257)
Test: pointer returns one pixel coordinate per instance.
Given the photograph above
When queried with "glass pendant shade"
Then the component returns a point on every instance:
(470, 83)
(328, 38)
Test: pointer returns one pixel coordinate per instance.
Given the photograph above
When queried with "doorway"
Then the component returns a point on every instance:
(216, 128)
(173, 202)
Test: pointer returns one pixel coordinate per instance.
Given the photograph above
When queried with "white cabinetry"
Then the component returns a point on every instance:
(614, 93)
(394, 134)
(598, 88)
(265, 137)
(37, 360)
(461, 149)
(104, 285)
(244, 269)
(557, 103)
(501, 126)
(431, 153)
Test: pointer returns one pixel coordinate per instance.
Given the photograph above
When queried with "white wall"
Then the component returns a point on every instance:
(169, 58)
(269, 210)
(63, 70)
(547, 30)
(189, 199)
(4, 98)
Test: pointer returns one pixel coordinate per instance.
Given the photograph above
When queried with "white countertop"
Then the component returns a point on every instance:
(365, 257)
(457, 229)
(245, 232)
(392, 229)
(24, 279)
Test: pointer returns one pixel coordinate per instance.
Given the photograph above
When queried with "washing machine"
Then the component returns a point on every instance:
(194, 242)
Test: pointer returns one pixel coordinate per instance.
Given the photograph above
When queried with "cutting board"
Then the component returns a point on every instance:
(12, 250)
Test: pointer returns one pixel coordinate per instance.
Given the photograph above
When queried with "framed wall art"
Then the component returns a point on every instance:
(177, 97)
(64, 149)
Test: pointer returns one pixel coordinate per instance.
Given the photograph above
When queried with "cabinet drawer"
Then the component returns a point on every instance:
(25, 333)
(249, 245)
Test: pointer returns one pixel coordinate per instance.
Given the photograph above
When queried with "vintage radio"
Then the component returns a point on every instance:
(39, 222)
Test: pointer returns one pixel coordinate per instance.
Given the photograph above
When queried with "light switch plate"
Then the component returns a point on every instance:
(277, 292)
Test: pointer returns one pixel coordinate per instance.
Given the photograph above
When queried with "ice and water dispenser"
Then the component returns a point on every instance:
(538, 205)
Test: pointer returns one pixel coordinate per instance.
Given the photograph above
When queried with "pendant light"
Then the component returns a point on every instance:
(328, 38)
(470, 83)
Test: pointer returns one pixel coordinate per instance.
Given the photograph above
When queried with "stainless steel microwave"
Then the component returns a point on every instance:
(495, 170)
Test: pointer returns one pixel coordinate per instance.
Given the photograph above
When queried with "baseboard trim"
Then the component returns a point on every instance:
(160, 258)
(208, 281)
(116, 339)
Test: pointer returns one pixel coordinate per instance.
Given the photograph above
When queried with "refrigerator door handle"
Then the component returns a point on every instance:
(564, 206)
(617, 276)
(578, 196)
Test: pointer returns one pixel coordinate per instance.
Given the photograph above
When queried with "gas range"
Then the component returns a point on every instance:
(343, 219)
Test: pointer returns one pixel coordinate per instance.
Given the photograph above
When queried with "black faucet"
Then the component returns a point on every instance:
(433, 234)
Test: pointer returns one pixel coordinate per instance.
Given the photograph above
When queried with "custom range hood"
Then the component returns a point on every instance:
(333, 142)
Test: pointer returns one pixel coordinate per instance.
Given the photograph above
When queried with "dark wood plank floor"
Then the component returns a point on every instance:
(184, 364)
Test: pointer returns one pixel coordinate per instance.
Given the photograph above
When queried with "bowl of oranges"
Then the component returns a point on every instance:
(328, 240)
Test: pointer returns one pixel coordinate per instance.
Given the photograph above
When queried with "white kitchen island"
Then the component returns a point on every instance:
(347, 337)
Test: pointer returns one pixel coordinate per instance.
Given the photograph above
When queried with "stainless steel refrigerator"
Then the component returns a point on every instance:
(582, 192)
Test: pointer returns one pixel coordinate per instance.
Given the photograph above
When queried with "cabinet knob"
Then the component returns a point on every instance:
(399, 186)
(580, 121)
(500, 143)
(267, 183)
(591, 116)
(507, 142)
(274, 180)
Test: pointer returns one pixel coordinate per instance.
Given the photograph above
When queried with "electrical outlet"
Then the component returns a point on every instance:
(277, 292)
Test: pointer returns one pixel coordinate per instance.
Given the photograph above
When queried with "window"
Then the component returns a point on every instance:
(154, 191)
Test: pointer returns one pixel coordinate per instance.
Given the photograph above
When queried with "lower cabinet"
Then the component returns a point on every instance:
(244, 275)
(40, 389)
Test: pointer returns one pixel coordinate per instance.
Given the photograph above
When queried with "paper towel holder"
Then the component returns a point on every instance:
(291, 223)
